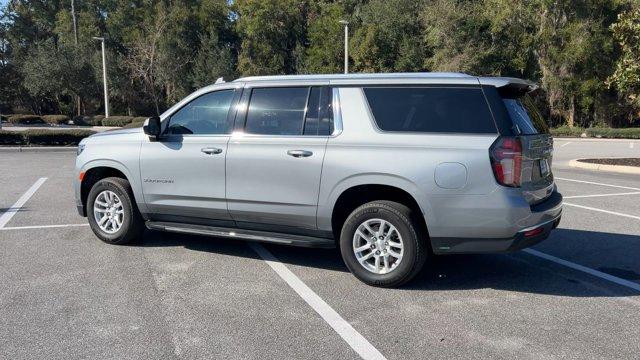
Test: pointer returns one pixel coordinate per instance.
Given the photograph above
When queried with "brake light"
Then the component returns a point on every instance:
(506, 160)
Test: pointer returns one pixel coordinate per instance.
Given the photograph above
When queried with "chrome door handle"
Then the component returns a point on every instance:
(211, 150)
(299, 153)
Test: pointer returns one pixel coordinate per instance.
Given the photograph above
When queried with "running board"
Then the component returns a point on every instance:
(242, 234)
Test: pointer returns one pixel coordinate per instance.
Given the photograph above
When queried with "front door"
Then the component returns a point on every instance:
(274, 165)
(183, 173)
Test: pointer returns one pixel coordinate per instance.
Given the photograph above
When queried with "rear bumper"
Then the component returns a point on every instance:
(547, 213)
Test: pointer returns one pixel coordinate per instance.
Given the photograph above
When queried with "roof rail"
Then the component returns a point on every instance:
(357, 76)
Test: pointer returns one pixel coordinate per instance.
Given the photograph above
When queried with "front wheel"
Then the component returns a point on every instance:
(382, 244)
(112, 212)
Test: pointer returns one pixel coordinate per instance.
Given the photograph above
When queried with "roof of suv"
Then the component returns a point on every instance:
(395, 78)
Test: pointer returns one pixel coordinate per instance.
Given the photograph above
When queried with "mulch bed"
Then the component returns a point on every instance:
(621, 161)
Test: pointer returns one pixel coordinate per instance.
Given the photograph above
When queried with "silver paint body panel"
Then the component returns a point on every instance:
(254, 180)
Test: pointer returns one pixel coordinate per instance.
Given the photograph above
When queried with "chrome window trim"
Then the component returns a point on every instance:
(337, 112)
(335, 105)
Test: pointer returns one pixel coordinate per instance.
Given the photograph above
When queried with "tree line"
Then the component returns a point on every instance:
(585, 54)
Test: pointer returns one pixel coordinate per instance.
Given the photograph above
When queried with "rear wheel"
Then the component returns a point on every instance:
(112, 212)
(382, 244)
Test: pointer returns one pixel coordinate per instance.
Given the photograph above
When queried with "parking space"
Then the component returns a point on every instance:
(67, 295)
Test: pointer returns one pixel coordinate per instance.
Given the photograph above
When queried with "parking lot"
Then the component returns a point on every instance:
(65, 294)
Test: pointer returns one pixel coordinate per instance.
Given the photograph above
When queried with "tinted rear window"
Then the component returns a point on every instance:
(431, 110)
(525, 115)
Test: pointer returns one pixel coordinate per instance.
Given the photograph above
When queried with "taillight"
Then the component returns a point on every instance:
(506, 160)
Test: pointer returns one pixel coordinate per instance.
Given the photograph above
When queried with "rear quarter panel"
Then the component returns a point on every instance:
(362, 154)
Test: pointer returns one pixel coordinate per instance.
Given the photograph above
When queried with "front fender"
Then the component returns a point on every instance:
(132, 176)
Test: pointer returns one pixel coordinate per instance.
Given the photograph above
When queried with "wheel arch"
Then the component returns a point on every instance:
(98, 170)
(359, 193)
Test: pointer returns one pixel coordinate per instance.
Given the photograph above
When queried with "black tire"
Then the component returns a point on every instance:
(413, 237)
(132, 222)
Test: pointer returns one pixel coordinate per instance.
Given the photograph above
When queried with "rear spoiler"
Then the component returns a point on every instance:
(509, 86)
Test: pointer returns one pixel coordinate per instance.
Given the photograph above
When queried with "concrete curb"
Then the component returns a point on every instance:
(38, 148)
(593, 139)
(603, 167)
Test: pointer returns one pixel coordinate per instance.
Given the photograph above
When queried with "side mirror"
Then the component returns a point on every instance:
(152, 127)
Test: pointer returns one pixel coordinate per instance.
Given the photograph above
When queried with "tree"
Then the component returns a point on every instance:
(389, 37)
(55, 73)
(626, 77)
(272, 33)
(325, 34)
(212, 61)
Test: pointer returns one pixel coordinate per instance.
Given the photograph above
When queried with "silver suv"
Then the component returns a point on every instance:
(390, 168)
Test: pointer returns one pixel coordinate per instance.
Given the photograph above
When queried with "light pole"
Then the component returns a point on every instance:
(346, 45)
(104, 78)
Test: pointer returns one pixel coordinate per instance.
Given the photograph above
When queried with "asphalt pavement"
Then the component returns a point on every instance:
(67, 295)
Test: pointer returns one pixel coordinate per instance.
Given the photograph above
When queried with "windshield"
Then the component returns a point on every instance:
(526, 116)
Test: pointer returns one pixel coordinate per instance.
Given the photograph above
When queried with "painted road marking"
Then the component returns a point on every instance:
(7, 215)
(357, 342)
(565, 144)
(42, 226)
(600, 195)
(601, 210)
(597, 183)
(630, 145)
(590, 271)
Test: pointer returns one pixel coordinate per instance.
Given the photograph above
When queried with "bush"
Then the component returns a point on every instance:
(134, 124)
(11, 137)
(55, 137)
(117, 120)
(25, 119)
(95, 120)
(612, 133)
(55, 119)
(44, 137)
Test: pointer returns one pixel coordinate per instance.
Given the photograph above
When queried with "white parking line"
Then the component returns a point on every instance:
(41, 226)
(565, 144)
(597, 183)
(600, 195)
(590, 271)
(603, 211)
(7, 215)
(357, 342)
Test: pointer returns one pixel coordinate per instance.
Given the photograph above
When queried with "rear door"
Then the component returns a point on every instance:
(537, 147)
(274, 161)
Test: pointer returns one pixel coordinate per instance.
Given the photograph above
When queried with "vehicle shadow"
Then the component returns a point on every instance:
(519, 272)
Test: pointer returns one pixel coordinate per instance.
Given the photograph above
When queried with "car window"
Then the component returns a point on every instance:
(277, 111)
(319, 119)
(431, 110)
(205, 115)
(525, 115)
